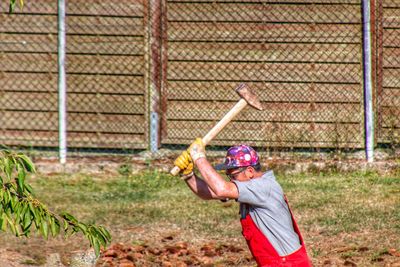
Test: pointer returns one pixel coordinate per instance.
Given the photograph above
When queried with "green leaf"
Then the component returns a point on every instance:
(24, 209)
(69, 217)
(7, 197)
(57, 225)
(28, 188)
(83, 227)
(69, 232)
(36, 217)
(66, 225)
(105, 233)
(12, 227)
(96, 247)
(4, 222)
(8, 167)
(27, 221)
(31, 208)
(75, 229)
(54, 226)
(27, 163)
(13, 202)
(17, 214)
(44, 229)
(21, 179)
(102, 238)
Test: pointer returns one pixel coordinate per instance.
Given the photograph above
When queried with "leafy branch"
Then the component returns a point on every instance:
(20, 212)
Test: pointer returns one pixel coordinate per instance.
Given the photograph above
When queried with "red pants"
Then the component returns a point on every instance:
(265, 254)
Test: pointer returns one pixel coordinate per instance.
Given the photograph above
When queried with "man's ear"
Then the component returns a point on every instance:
(250, 171)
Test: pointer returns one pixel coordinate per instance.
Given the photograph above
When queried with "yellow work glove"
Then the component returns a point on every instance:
(185, 164)
(197, 149)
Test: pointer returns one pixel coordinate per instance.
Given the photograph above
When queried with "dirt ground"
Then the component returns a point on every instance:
(170, 250)
(167, 246)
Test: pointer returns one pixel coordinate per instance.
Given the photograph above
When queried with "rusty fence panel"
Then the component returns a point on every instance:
(106, 74)
(303, 58)
(105, 70)
(28, 75)
(388, 72)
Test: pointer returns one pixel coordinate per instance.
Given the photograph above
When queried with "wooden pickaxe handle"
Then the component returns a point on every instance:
(247, 98)
(240, 105)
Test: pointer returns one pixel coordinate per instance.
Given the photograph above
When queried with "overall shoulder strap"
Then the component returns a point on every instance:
(295, 226)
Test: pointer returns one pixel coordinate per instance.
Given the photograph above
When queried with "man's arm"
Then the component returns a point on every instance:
(200, 188)
(213, 186)
(218, 185)
(197, 185)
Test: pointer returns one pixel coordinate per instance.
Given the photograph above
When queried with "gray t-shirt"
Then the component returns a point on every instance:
(269, 211)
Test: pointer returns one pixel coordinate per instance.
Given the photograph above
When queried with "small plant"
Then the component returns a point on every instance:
(125, 169)
(20, 211)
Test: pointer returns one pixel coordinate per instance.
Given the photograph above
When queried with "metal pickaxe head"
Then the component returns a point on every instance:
(244, 92)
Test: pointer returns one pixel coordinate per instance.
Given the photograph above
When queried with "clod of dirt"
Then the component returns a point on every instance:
(134, 256)
(167, 238)
(155, 251)
(344, 249)
(394, 252)
(137, 248)
(349, 263)
(363, 249)
(110, 253)
(126, 263)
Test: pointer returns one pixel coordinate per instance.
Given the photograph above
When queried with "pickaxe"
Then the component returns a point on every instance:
(247, 98)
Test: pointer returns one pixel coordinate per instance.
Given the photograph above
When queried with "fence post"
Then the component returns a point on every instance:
(367, 73)
(62, 123)
(155, 71)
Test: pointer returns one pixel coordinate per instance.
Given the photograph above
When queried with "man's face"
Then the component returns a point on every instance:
(240, 174)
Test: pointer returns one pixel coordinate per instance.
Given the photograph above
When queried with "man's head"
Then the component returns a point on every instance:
(241, 163)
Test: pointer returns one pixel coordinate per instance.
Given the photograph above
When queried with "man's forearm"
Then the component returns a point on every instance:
(210, 176)
(200, 188)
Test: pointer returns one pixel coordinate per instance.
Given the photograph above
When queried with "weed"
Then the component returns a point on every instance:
(377, 256)
(37, 260)
(125, 169)
(348, 254)
(315, 252)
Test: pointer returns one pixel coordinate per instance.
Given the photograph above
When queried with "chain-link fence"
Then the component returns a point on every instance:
(105, 70)
(303, 59)
(165, 71)
(388, 74)
(28, 71)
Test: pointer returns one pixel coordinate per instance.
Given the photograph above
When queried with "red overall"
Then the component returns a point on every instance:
(265, 254)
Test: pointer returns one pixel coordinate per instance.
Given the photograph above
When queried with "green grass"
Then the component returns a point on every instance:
(147, 198)
(336, 202)
(346, 202)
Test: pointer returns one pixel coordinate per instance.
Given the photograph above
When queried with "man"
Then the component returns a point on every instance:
(267, 222)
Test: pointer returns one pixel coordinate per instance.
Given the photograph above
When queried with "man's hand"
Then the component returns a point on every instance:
(185, 164)
(197, 149)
